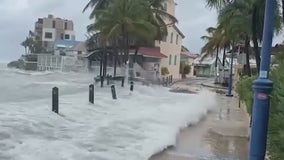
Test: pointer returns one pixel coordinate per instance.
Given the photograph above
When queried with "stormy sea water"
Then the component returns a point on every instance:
(133, 127)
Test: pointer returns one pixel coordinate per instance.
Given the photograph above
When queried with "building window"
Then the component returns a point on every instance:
(164, 38)
(170, 59)
(67, 36)
(48, 35)
(53, 24)
(65, 25)
(175, 62)
(172, 37)
(177, 39)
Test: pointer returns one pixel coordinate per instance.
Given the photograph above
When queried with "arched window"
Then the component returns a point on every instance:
(175, 62)
(170, 59)
(177, 39)
(172, 37)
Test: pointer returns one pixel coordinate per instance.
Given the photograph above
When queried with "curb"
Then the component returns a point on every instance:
(215, 87)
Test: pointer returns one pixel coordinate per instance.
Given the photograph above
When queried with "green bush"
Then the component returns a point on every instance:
(276, 123)
(186, 69)
(245, 91)
(165, 71)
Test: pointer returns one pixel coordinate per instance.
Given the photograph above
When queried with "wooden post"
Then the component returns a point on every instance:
(55, 99)
(113, 92)
(91, 93)
(131, 86)
(122, 82)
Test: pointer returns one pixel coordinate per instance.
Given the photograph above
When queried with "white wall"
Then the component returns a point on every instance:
(70, 33)
(51, 30)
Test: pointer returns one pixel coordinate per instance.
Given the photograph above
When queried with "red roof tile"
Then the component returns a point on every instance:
(150, 52)
(188, 55)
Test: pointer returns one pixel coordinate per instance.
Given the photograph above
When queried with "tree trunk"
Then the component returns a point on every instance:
(115, 50)
(247, 66)
(254, 38)
(283, 10)
(224, 56)
(135, 55)
(216, 65)
(216, 60)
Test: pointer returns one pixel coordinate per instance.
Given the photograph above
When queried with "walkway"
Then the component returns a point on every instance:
(222, 135)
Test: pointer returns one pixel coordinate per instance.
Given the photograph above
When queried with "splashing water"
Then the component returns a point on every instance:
(133, 127)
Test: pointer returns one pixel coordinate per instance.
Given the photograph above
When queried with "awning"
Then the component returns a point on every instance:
(149, 52)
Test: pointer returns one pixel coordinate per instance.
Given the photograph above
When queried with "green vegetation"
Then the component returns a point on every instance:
(239, 23)
(126, 23)
(184, 69)
(165, 71)
(276, 124)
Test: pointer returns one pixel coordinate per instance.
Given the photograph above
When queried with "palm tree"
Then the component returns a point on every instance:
(25, 44)
(121, 21)
(250, 14)
(156, 14)
(215, 42)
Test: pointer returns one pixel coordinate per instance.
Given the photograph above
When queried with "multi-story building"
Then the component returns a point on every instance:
(49, 29)
(171, 44)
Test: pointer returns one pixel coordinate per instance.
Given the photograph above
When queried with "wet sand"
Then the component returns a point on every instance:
(222, 135)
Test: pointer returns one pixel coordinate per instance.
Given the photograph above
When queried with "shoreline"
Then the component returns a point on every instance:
(212, 136)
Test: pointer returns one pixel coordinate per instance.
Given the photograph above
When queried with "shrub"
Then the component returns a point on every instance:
(276, 123)
(165, 71)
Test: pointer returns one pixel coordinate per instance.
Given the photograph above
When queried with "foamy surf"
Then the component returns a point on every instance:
(135, 126)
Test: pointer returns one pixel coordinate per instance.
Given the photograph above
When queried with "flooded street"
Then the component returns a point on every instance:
(222, 135)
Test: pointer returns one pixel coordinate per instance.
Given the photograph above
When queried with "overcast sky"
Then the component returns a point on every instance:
(18, 16)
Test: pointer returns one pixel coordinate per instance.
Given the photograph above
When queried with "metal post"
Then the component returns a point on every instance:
(262, 89)
(230, 88)
(113, 92)
(55, 99)
(91, 93)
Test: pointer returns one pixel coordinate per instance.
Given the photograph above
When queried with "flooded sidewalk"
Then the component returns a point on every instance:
(222, 135)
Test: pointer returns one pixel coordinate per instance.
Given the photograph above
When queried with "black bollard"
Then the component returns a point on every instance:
(131, 86)
(55, 99)
(113, 92)
(102, 82)
(91, 93)
(122, 82)
(171, 79)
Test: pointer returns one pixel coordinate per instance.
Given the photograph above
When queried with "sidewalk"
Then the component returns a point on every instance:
(223, 134)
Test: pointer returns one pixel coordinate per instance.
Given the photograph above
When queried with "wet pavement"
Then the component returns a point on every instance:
(222, 135)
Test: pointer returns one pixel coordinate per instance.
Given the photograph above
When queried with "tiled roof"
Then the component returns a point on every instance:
(188, 55)
(150, 52)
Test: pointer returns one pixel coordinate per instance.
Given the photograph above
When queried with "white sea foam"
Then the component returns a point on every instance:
(135, 126)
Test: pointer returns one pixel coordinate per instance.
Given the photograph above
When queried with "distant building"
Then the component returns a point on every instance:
(188, 58)
(171, 44)
(166, 52)
(69, 48)
(49, 29)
